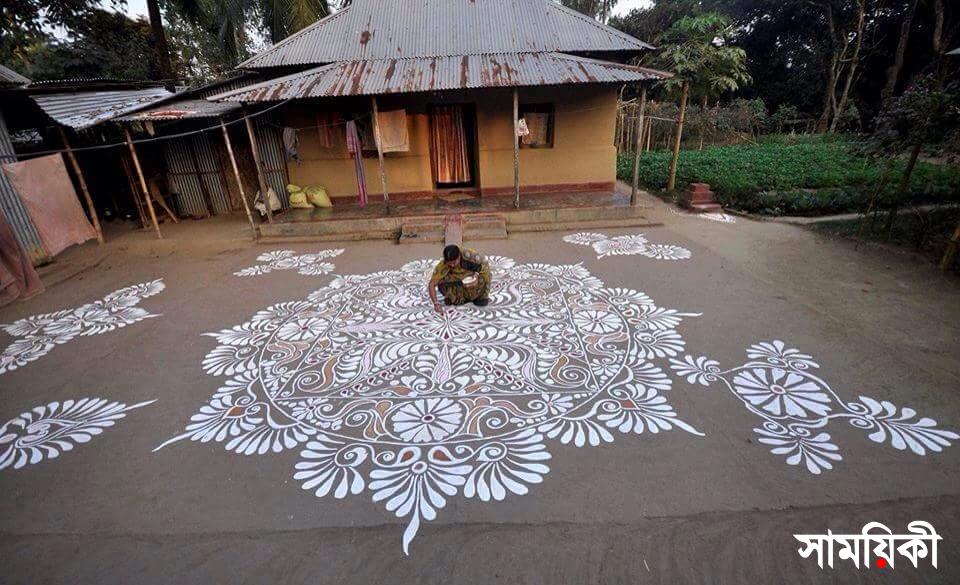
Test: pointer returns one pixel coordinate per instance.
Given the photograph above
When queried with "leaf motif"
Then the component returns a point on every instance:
(47, 431)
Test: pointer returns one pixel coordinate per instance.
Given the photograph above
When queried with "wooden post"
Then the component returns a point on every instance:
(516, 149)
(143, 183)
(83, 186)
(236, 174)
(256, 162)
(638, 145)
(376, 136)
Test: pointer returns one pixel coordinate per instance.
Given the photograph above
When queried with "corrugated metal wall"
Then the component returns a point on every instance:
(186, 171)
(13, 209)
(273, 158)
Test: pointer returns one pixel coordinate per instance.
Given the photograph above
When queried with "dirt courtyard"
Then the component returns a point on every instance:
(659, 405)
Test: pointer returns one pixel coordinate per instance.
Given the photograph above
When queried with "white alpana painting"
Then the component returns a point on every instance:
(382, 395)
(45, 432)
(627, 245)
(36, 336)
(777, 384)
(306, 264)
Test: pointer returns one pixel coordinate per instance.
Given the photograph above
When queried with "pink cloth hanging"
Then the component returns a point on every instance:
(48, 194)
(355, 148)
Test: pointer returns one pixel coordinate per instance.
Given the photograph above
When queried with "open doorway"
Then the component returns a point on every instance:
(453, 132)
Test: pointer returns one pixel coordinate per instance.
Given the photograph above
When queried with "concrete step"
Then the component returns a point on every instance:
(453, 230)
(484, 227)
(430, 230)
(582, 225)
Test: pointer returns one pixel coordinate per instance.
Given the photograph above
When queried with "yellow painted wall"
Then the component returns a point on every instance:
(583, 150)
(333, 167)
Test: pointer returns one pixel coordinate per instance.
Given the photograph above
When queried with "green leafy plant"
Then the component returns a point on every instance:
(796, 175)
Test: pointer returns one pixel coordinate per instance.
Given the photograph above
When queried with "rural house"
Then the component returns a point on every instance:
(446, 76)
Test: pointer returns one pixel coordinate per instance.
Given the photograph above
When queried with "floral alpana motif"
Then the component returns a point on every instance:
(47, 431)
(627, 245)
(306, 264)
(36, 336)
(778, 386)
(382, 394)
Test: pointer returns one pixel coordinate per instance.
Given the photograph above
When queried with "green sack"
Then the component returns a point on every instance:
(291, 188)
(299, 200)
(318, 196)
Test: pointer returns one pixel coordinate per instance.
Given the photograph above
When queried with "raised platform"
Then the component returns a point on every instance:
(426, 218)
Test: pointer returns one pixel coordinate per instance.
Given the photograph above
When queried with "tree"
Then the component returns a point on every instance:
(893, 72)
(199, 54)
(24, 23)
(648, 23)
(926, 115)
(598, 9)
(105, 45)
(696, 50)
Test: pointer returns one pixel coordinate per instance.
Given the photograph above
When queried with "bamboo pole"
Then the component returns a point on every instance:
(256, 162)
(163, 205)
(143, 183)
(638, 145)
(236, 174)
(91, 209)
(672, 179)
(132, 184)
(379, 141)
(516, 148)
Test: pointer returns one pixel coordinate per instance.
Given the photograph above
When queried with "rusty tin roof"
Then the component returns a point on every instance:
(399, 29)
(384, 76)
(181, 110)
(83, 109)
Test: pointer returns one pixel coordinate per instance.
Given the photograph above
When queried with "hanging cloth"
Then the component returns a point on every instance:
(48, 194)
(18, 279)
(393, 131)
(355, 148)
(290, 142)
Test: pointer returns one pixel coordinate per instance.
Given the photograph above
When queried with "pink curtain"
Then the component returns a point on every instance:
(451, 160)
(46, 191)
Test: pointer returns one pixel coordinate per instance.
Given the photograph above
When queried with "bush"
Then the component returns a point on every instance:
(794, 175)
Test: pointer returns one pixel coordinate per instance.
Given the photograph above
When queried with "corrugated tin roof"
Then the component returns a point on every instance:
(440, 73)
(394, 29)
(80, 110)
(181, 110)
(11, 77)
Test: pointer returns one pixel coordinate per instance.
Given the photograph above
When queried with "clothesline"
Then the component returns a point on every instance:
(318, 126)
(243, 119)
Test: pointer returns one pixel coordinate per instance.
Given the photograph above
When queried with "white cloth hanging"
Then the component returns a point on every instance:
(290, 143)
(393, 131)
